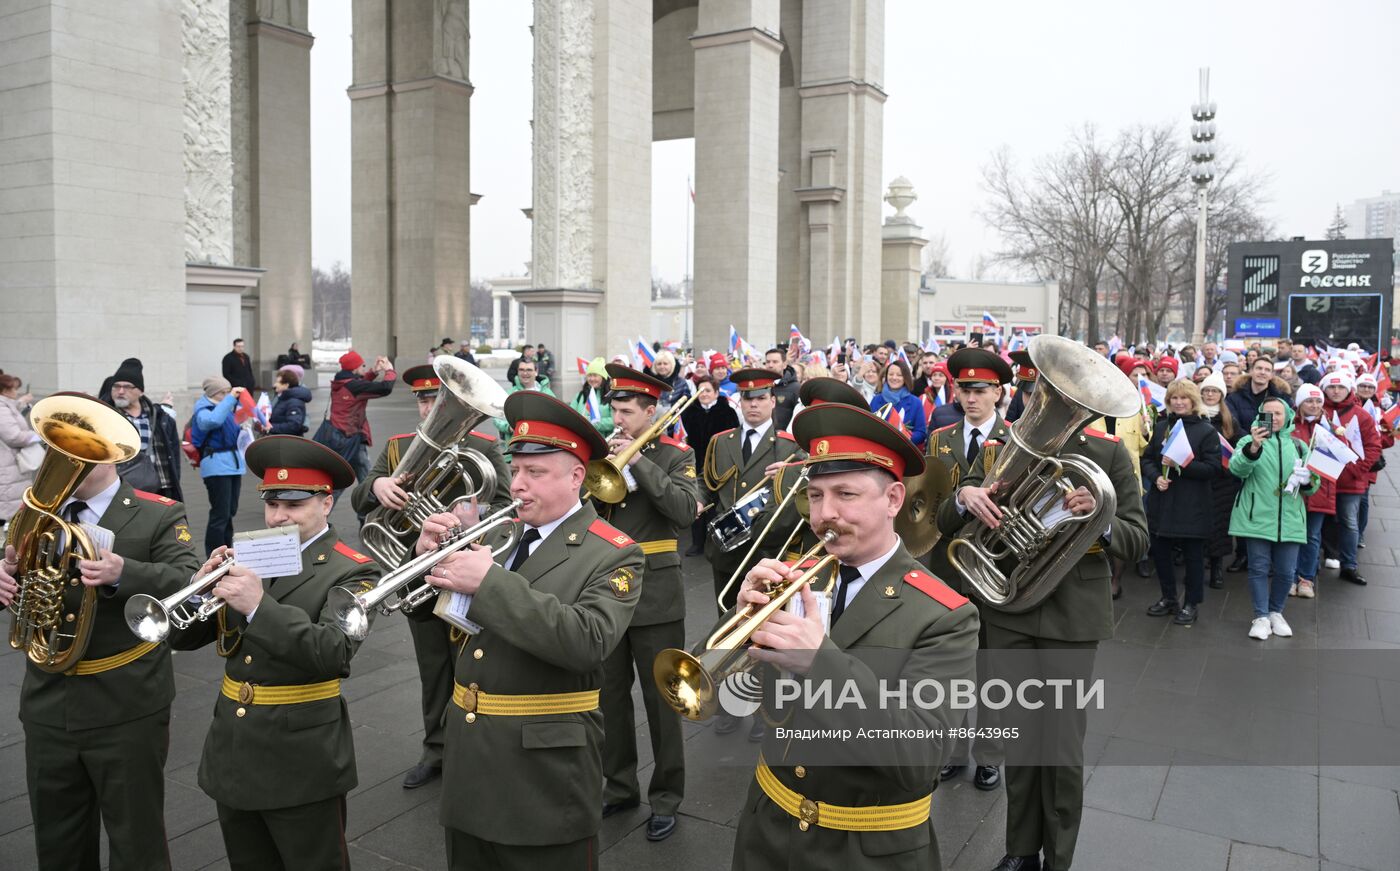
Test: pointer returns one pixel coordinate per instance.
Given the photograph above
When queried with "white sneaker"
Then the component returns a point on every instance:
(1293, 590)
(1332, 563)
(1260, 628)
(1279, 625)
(1306, 591)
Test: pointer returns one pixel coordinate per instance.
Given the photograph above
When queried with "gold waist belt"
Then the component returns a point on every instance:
(116, 660)
(877, 818)
(246, 694)
(474, 701)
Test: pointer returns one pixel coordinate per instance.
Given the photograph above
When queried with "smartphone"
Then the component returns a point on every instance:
(841, 358)
(1264, 421)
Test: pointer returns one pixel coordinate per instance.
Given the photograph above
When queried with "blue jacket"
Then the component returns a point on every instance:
(220, 448)
(289, 414)
(911, 410)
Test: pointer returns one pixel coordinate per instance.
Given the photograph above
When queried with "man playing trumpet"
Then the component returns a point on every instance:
(96, 739)
(661, 501)
(279, 758)
(525, 724)
(873, 812)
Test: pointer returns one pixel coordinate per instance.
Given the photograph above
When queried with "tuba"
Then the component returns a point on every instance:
(52, 625)
(1076, 384)
(436, 463)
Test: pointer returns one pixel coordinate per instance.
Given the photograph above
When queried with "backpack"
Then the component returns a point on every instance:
(187, 443)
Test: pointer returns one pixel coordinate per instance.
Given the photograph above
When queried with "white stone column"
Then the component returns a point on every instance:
(496, 298)
(902, 246)
(591, 218)
(737, 49)
(208, 132)
(92, 193)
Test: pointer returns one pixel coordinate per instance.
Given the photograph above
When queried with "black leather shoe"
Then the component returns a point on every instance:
(987, 777)
(758, 730)
(1351, 575)
(948, 772)
(617, 807)
(1217, 580)
(1019, 863)
(725, 723)
(1144, 568)
(1162, 607)
(1186, 616)
(420, 774)
(695, 551)
(660, 827)
(1239, 565)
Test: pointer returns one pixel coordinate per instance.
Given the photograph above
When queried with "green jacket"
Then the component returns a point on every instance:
(363, 500)
(604, 423)
(900, 609)
(261, 757)
(541, 384)
(655, 514)
(947, 446)
(1262, 509)
(546, 629)
(1081, 607)
(150, 533)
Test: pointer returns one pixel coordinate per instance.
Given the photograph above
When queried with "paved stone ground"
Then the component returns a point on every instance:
(1177, 814)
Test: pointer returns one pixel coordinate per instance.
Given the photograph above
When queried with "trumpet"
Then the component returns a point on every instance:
(151, 619)
(689, 682)
(352, 610)
(798, 487)
(604, 480)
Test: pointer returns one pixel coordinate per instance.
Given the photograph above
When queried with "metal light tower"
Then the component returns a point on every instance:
(1202, 155)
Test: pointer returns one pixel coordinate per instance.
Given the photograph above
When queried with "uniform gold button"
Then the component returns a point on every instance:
(742, 484)
(800, 771)
(241, 712)
(248, 660)
(471, 717)
(70, 618)
(473, 687)
(622, 505)
(803, 825)
(73, 583)
(478, 653)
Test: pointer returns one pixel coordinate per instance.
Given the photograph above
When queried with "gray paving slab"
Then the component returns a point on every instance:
(1359, 825)
(1109, 840)
(1250, 857)
(1271, 807)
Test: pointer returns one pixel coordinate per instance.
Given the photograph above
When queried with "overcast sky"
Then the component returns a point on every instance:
(1306, 92)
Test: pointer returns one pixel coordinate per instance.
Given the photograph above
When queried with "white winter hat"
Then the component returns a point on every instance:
(1304, 393)
(1216, 380)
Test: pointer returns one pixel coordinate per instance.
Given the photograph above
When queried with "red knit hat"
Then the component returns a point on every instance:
(718, 360)
(351, 360)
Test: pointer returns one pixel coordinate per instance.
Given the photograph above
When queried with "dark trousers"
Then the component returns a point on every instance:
(307, 837)
(223, 505)
(470, 853)
(1044, 803)
(112, 776)
(433, 648)
(1193, 550)
(635, 653)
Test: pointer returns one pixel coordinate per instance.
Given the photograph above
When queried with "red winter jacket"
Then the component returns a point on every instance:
(1355, 476)
(350, 393)
(1324, 501)
(1387, 441)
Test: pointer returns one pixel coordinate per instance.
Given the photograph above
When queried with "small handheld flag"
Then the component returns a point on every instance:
(1226, 452)
(582, 365)
(644, 352)
(989, 323)
(1177, 446)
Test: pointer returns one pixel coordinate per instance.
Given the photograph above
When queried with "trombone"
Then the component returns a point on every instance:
(151, 619)
(689, 681)
(352, 610)
(604, 480)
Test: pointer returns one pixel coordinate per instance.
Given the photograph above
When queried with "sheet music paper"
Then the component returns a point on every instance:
(101, 537)
(269, 553)
(452, 607)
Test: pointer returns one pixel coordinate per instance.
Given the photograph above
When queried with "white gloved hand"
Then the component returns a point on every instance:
(1299, 478)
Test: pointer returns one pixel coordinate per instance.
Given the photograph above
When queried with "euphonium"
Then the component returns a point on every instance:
(436, 464)
(352, 610)
(689, 681)
(1030, 481)
(51, 625)
(604, 480)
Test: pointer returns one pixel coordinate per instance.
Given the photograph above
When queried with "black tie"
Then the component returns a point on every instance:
(748, 443)
(522, 550)
(848, 575)
(974, 445)
(73, 510)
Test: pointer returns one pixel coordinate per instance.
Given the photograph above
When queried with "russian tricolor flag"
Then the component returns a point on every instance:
(644, 352)
(1177, 447)
(1226, 452)
(989, 323)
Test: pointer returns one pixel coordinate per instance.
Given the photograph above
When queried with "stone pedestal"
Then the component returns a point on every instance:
(92, 193)
(410, 177)
(902, 249)
(565, 320)
(737, 51)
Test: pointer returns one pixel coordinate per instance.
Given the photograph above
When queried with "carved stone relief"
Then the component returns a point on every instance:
(208, 132)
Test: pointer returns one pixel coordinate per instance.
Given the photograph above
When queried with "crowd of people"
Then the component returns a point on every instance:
(1262, 456)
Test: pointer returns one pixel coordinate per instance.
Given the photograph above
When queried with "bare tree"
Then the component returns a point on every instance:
(1338, 228)
(938, 262)
(330, 300)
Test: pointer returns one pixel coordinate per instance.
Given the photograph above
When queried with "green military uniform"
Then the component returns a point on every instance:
(522, 769)
(432, 639)
(730, 478)
(948, 445)
(96, 737)
(1045, 802)
(279, 757)
(899, 607)
(654, 514)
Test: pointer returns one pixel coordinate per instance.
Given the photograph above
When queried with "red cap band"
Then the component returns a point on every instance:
(632, 385)
(758, 383)
(542, 432)
(286, 478)
(426, 384)
(849, 447)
